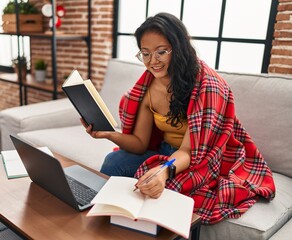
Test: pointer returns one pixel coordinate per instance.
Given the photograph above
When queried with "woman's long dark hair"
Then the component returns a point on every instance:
(183, 67)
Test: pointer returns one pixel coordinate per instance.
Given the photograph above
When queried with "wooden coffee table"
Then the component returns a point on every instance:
(36, 214)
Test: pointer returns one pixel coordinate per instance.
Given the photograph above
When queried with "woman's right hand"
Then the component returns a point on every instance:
(94, 134)
(83, 123)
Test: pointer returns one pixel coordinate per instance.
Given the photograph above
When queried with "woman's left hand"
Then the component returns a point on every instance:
(156, 185)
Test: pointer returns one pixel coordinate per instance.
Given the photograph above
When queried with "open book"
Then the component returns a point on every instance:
(13, 164)
(88, 102)
(171, 210)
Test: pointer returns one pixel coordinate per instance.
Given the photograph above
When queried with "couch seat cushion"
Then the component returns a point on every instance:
(35, 117)
(73, 143)
(284, 232)
(261, 221)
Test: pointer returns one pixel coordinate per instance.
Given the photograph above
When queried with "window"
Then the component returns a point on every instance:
(230, 35)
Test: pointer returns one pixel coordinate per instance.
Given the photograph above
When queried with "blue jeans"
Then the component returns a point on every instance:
(123, 163)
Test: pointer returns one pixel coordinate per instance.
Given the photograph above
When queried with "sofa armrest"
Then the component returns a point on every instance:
(50, 114)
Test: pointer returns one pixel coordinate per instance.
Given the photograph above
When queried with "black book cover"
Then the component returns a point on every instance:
(87, 107)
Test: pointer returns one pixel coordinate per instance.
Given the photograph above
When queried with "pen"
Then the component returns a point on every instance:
(165, 165)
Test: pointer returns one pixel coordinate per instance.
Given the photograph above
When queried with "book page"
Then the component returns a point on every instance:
(73, 79)
(171, 210)
(109, 210)
(118, 192)
(88, 83)
(13, 165)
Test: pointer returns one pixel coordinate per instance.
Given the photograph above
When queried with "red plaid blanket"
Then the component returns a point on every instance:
(227, 173)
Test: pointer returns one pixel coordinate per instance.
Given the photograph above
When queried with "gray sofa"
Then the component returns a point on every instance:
(263, 104)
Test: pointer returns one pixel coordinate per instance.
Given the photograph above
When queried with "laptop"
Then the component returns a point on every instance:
(74, 185)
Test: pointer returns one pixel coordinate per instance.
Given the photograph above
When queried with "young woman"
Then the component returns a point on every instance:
(181, 109)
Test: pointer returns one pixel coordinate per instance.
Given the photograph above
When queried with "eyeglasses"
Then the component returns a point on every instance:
(160, 55)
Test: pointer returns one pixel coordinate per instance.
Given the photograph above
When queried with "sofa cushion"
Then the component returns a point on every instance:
(119, 78)
(264, 106)
(284, 232)
(72, 142)
(50, 114)
(261, 221)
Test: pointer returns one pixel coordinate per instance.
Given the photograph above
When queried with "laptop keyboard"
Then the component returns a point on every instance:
(82, 193)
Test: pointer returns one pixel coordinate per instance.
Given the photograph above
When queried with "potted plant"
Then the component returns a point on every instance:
(30, 19)
(40, 70)
(22, 62)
